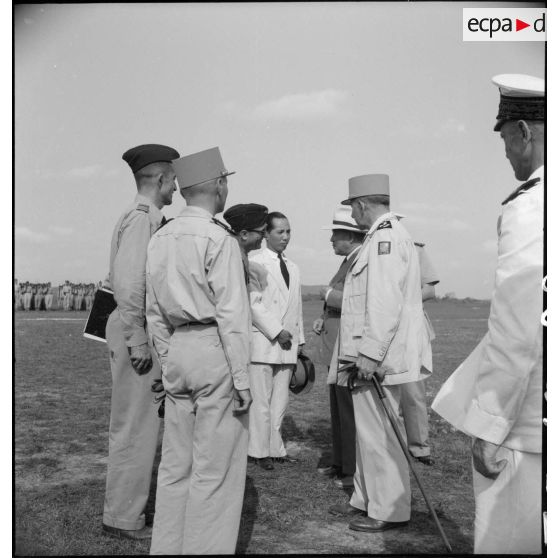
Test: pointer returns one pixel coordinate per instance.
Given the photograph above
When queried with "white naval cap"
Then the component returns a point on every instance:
(522, 97)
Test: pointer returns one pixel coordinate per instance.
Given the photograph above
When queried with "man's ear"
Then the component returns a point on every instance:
(525, 131)
(160, 179)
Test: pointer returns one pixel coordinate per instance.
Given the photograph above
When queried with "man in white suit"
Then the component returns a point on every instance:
(496, 396)
(277, 337)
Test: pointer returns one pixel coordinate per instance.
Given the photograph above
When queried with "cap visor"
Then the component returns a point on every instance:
(346, 202)
(499, 124)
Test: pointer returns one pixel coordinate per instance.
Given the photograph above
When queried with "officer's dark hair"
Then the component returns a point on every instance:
(271, 216)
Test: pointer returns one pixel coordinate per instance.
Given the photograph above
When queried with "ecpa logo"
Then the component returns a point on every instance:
(509, 24)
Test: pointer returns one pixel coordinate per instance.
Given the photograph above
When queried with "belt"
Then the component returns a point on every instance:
(197, 324)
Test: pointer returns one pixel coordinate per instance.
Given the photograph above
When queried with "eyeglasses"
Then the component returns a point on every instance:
(261, 233)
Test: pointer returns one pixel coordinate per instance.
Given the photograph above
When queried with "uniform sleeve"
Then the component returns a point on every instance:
(128, 278)
(428, 275)
(226, 280)
(514, 338)
(158, 327)
(387, 269)
(262, 318)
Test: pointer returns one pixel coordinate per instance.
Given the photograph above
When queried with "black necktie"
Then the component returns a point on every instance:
(284, 270)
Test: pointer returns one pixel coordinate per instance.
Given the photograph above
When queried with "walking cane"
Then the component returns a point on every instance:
(382, 395)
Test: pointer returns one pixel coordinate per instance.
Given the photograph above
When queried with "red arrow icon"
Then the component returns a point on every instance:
(519, 25)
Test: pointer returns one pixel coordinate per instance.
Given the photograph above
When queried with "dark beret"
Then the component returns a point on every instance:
(143, 155)
(246, 216)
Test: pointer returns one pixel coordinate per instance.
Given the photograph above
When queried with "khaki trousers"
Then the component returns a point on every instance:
(133, 432)
(382, 484)
(415, 416)
(27, 297)
(48, 301)
(508, 508)
(269, 385)
(200, 485)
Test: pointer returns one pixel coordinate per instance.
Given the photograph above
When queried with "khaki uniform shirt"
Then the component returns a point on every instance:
(195, 274)
(128, 251)
(382, 315)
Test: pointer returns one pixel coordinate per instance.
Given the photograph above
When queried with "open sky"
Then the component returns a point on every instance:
(298, 97)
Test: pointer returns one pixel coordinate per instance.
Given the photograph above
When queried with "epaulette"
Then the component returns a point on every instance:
(419, 244)
(143, 207)
(384, 225)
(163, 223)
(228, 229)
(521, 190)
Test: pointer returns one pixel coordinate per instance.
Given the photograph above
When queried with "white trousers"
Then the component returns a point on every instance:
(508, 508)
(269, 385)
(133, 432)
(200, 484)
(415, 416)
(382, 484)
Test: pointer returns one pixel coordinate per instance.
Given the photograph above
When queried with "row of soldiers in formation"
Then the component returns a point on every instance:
(41, 296)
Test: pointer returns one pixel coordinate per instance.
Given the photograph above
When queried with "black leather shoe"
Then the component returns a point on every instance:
(265, 463)
(371, 525)
(425, 459)
(134, 534)
(345, 509)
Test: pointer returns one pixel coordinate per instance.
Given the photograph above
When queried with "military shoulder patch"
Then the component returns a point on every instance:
(384, 248)
(384, 225)
(143, 207)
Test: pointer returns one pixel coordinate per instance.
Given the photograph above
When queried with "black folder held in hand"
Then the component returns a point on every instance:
(103, 305)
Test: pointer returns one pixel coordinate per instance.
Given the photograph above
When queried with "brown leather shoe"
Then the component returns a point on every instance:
(329, 471)
(134, 534)
(345, 509)
(344, 482)
(371, 525)
(285, 459)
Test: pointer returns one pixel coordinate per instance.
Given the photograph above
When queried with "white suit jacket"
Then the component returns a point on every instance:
(496, 393)
(274, 307)
(382, 315)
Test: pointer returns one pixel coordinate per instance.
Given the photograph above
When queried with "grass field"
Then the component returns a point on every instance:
(62, 396)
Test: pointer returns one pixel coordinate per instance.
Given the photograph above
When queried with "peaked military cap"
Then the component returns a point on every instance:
(143, 155)
(246, 216)
(367, 185)
(522, 97)
(200, 167)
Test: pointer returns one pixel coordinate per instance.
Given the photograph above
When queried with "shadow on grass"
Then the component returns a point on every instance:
(249, 516)
(422, 533)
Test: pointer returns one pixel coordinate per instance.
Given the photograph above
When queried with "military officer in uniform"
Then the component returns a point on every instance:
(248, 222)
(496, 395)
(49, 295)
(346, 239)
(199, 320)
(382, 331)
(413, 394)
(134, 424)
